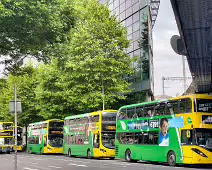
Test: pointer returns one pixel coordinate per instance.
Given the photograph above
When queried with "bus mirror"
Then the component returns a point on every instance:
(188, 134)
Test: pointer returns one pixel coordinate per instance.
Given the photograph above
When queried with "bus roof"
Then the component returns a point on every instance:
(141, 104)
(6, 122)
(205, 96)
(89, 114)
(46, 121)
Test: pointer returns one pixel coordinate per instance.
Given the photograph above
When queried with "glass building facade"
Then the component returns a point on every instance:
(135, 16)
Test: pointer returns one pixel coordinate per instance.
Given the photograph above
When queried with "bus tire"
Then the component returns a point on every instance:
(112, 158)
(8, 152)
(171, 158)
(69, 153)
(89, 154)
(128, 155)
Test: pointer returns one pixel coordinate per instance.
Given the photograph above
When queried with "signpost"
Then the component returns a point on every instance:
(15, 107)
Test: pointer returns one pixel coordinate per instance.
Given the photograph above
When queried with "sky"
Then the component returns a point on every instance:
(166, 62)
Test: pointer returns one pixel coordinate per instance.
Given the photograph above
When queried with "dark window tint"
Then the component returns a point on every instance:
(185, 139)
(147, 138)
(185, 105)
(203, 105)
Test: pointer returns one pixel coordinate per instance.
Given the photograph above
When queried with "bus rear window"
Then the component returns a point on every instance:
(203, 105)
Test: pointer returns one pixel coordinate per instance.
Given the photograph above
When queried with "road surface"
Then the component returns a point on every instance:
(61, 162)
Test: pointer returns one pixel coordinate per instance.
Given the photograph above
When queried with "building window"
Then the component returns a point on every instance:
(136, 27)
(128, 21)
(116, 3)
(129, 12)
(128, 4)
(122, 7)
(135, 7)
(136, 17)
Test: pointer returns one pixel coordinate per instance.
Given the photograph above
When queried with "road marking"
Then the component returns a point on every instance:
(30, 168)
(78, 165)
(33, 162)
(121, 164)
(4, 159)
(57, 167)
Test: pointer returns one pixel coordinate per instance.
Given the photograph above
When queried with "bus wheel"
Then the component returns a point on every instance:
(128, 156)
(69, 152)
(171, 158)
(89, 154)
(112, 158)
(8, 152)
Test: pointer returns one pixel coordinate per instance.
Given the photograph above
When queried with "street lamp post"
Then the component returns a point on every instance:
(15, 107)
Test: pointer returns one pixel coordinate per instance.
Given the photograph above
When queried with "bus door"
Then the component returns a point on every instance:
(96, 143)
(187, 140)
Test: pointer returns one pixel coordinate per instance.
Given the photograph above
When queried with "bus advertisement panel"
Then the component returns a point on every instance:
(46, 137)
(165, 131)
(91, 134)
(6, 137)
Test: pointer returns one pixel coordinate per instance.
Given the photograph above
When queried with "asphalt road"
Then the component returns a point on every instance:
(61, 162)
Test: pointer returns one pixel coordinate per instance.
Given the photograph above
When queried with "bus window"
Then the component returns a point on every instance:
(130, 138)
(94, 119)
(185, 140)
(45, 141)
(160, 109)
(175, 107)
(122, 114)
(138, 138)
(96, 140)
(149, 111)
(146, 138)
(203, 105)
(131, 112)
(185, 105)
(122, 138)
(139, 111)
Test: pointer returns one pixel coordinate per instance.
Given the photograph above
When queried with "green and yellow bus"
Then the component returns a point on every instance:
(45, 137)
(176, 131)
(6, 137)
(19, 138)
(90, 134)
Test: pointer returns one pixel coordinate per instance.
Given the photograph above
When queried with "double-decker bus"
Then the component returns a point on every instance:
(19, 138)
(90, 134)
(6, 137)
(176, 131)
(45, 137)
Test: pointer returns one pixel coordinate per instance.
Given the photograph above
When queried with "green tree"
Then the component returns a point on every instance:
(54, 99)
(26, 82)
(97, 60)
(32, 27)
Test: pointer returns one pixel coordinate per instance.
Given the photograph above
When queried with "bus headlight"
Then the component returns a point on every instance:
(198, 152)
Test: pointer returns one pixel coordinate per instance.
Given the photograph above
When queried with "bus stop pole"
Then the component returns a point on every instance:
(15, 110)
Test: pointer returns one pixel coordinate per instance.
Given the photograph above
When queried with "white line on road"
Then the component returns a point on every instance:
(4, 159)
(57, 167)
(121, 164)
(33, 162)
(78, 165)
(30, 168)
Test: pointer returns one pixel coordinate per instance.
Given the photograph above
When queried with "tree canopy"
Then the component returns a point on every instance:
(32, 27)
(87, 67)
